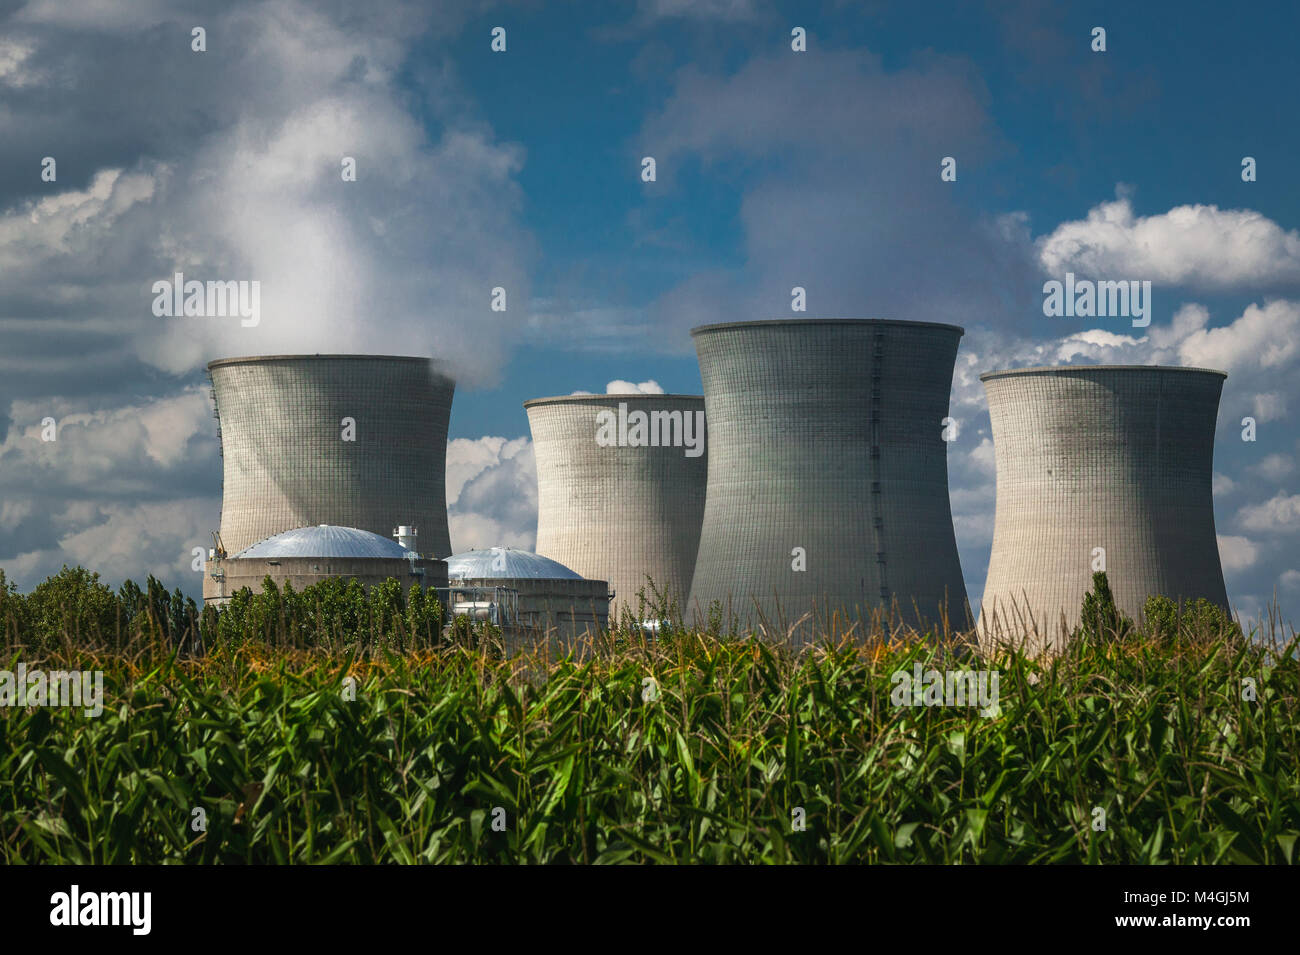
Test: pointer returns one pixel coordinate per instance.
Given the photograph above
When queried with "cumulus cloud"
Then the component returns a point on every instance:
(226, 165)
(1269, 406)
(981, 457)
(255, 191)
(1274, 467)
(1199, 246)
(117, 452)
(491, 493)
(1279, 513)
(127, 491)
(1237, 553)
(158, 538)
(1264, 337)
(620, 387)
(1291, 580)
(12, 56)
(1262, 344)
(1221, 484)
(469, 457)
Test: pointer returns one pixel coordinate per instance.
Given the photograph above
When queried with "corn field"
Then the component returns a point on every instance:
(688, 749)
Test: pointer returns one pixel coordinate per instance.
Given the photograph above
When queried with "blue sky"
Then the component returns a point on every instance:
(1168, 110)
(522, 169)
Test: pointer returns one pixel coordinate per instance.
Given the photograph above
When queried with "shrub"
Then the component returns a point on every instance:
(1165, 619)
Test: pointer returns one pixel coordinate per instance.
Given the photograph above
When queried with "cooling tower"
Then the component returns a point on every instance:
(1112, 457)
(828, 477)
(351, 440)
(620, 489)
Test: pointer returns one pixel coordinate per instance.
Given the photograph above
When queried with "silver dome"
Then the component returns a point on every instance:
(509, 564)
(325, 540)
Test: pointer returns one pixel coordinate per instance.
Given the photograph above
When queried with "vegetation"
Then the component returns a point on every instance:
(290, 739)
(73, 609)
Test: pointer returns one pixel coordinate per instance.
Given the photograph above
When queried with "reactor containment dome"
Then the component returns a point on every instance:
(305, 556)
(534, 600)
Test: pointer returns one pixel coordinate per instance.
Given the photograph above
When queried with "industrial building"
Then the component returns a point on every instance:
(827, 487)
(1102, 467)
(533, 599)
(307, 555)
(354, 441)
(620, 490)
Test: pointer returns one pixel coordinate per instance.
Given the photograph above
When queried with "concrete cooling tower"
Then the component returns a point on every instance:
(350, 440)
(620, 489)
(1116, 458)
(828, 477)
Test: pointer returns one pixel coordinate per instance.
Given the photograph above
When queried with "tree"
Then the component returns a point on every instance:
(74, 605)
(1099, 616)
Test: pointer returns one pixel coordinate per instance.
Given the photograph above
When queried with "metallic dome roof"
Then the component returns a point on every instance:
(325, 540)
(510, 564)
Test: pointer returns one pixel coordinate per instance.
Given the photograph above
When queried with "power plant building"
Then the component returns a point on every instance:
(533, 599)
(308, 555)
(827, 480)
(1103, 467)
(620, 490)
(348, 440)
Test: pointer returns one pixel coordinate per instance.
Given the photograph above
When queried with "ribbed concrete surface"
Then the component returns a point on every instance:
(1119, 457)
(827, 435)
(619, 514)
(285, 465)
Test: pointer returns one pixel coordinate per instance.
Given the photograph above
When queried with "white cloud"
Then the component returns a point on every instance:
(1200, 246)
(149, 538)
(1262, 342)
(1279, 513)
(1269, 406)
(491, 493)
(1221, 484)
(982, 457)
(469, 457)
(620, 387)
(13, 54)
(1265, 337)
(1237, 553)
(254, 192)
(1274, 467)
(127, 490)
(99, 452)
(1290, 580)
